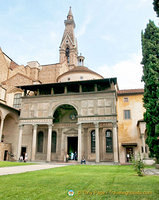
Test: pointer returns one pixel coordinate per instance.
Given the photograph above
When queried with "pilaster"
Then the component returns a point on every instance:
(1, 128)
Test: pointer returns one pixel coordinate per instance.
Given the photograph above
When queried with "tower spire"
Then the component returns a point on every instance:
(68, 47)
(70, 15)
(70, 19)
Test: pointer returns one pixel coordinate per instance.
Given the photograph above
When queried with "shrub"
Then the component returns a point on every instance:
(138, 165)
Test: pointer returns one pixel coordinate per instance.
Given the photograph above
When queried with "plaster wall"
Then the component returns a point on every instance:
(128, 131)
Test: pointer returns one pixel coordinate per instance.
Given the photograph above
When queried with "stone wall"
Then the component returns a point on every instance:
(5, 147)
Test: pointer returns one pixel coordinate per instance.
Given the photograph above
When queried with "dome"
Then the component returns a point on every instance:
(79, 73)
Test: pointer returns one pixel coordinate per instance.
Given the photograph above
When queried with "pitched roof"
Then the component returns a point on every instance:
(4, 82)
(9, 108)
(130, 91)
(13, 65)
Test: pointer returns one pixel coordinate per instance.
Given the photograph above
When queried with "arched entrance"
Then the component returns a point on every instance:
(8, 133)
(65, 114)
(65, 117)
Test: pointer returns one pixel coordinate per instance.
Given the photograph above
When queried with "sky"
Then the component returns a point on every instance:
(108, 33)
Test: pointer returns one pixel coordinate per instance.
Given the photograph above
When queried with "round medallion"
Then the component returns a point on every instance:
(73, 116)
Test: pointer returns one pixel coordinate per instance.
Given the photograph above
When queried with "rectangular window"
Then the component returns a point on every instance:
(93, 145)
(142, 149)
(145, 149)
(126, 99)
(53, 145)
(109, 145)
(126, 114)
(17, 100)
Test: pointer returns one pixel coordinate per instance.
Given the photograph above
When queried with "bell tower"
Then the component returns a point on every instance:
(68, 46)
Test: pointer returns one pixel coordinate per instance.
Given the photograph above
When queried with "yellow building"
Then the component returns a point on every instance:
(131, 127)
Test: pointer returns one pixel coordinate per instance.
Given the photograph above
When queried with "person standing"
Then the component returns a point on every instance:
(25, 157)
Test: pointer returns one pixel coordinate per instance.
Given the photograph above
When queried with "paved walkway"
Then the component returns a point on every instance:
(26, 168)
(151, 172)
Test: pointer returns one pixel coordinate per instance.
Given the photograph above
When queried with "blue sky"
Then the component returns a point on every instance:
(108, 33)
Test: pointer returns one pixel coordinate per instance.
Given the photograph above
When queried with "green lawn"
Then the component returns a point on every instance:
(10, 164)
(88, 182)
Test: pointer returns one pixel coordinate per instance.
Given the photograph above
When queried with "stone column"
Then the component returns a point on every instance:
(1, 128)
(19, 141)
(97, 142)
(79, 142)
(49, 143)
(80, 88)
(115, 143)
(34, 142)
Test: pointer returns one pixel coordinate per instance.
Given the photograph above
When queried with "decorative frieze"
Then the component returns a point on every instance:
(36, 121)
(97, 119)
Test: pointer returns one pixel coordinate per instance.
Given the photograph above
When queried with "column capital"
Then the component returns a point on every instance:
(35, 125)
(50, 125)
(96, 124)
(114, 124)
(79, 123)
(2, 118)
(21, 125)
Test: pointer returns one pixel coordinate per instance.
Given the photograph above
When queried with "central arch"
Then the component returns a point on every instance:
(65, 113)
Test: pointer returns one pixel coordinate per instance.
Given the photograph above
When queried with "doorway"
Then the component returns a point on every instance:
(129, 154)
(23, 151)
(72, 147)
(5, 155)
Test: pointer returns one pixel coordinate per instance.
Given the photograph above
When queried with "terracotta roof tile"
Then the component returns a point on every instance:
(131, 91)
(13, 65)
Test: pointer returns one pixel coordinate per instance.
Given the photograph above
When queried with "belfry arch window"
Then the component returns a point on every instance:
(67, 53)
(109, 141)
(93, 146)
(40, 142)
(53, 144)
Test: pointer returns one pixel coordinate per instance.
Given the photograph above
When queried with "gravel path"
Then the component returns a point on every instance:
(26, 168)
(151, 172)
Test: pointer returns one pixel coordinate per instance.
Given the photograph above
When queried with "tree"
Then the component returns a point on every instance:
(156, 6)
(150, 61)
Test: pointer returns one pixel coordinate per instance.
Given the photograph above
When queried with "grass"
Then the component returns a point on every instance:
(11, 164)
(88, 182)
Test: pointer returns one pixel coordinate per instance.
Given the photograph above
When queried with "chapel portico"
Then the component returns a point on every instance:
(81, 115)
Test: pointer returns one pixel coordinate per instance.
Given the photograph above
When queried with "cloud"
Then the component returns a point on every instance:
(54, 36)
(141, 3)
(128, 72)
(108, 38)
(83, 27)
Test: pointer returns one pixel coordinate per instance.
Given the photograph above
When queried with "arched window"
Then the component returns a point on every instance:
(93, 145)
(68, 54)
(17, 100)
(40, 142)
(109, 141)
(53, 144)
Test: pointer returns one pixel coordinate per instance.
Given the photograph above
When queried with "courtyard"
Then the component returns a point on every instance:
(82, 181)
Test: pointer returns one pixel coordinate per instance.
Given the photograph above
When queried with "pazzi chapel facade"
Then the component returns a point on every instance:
(51, 111)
